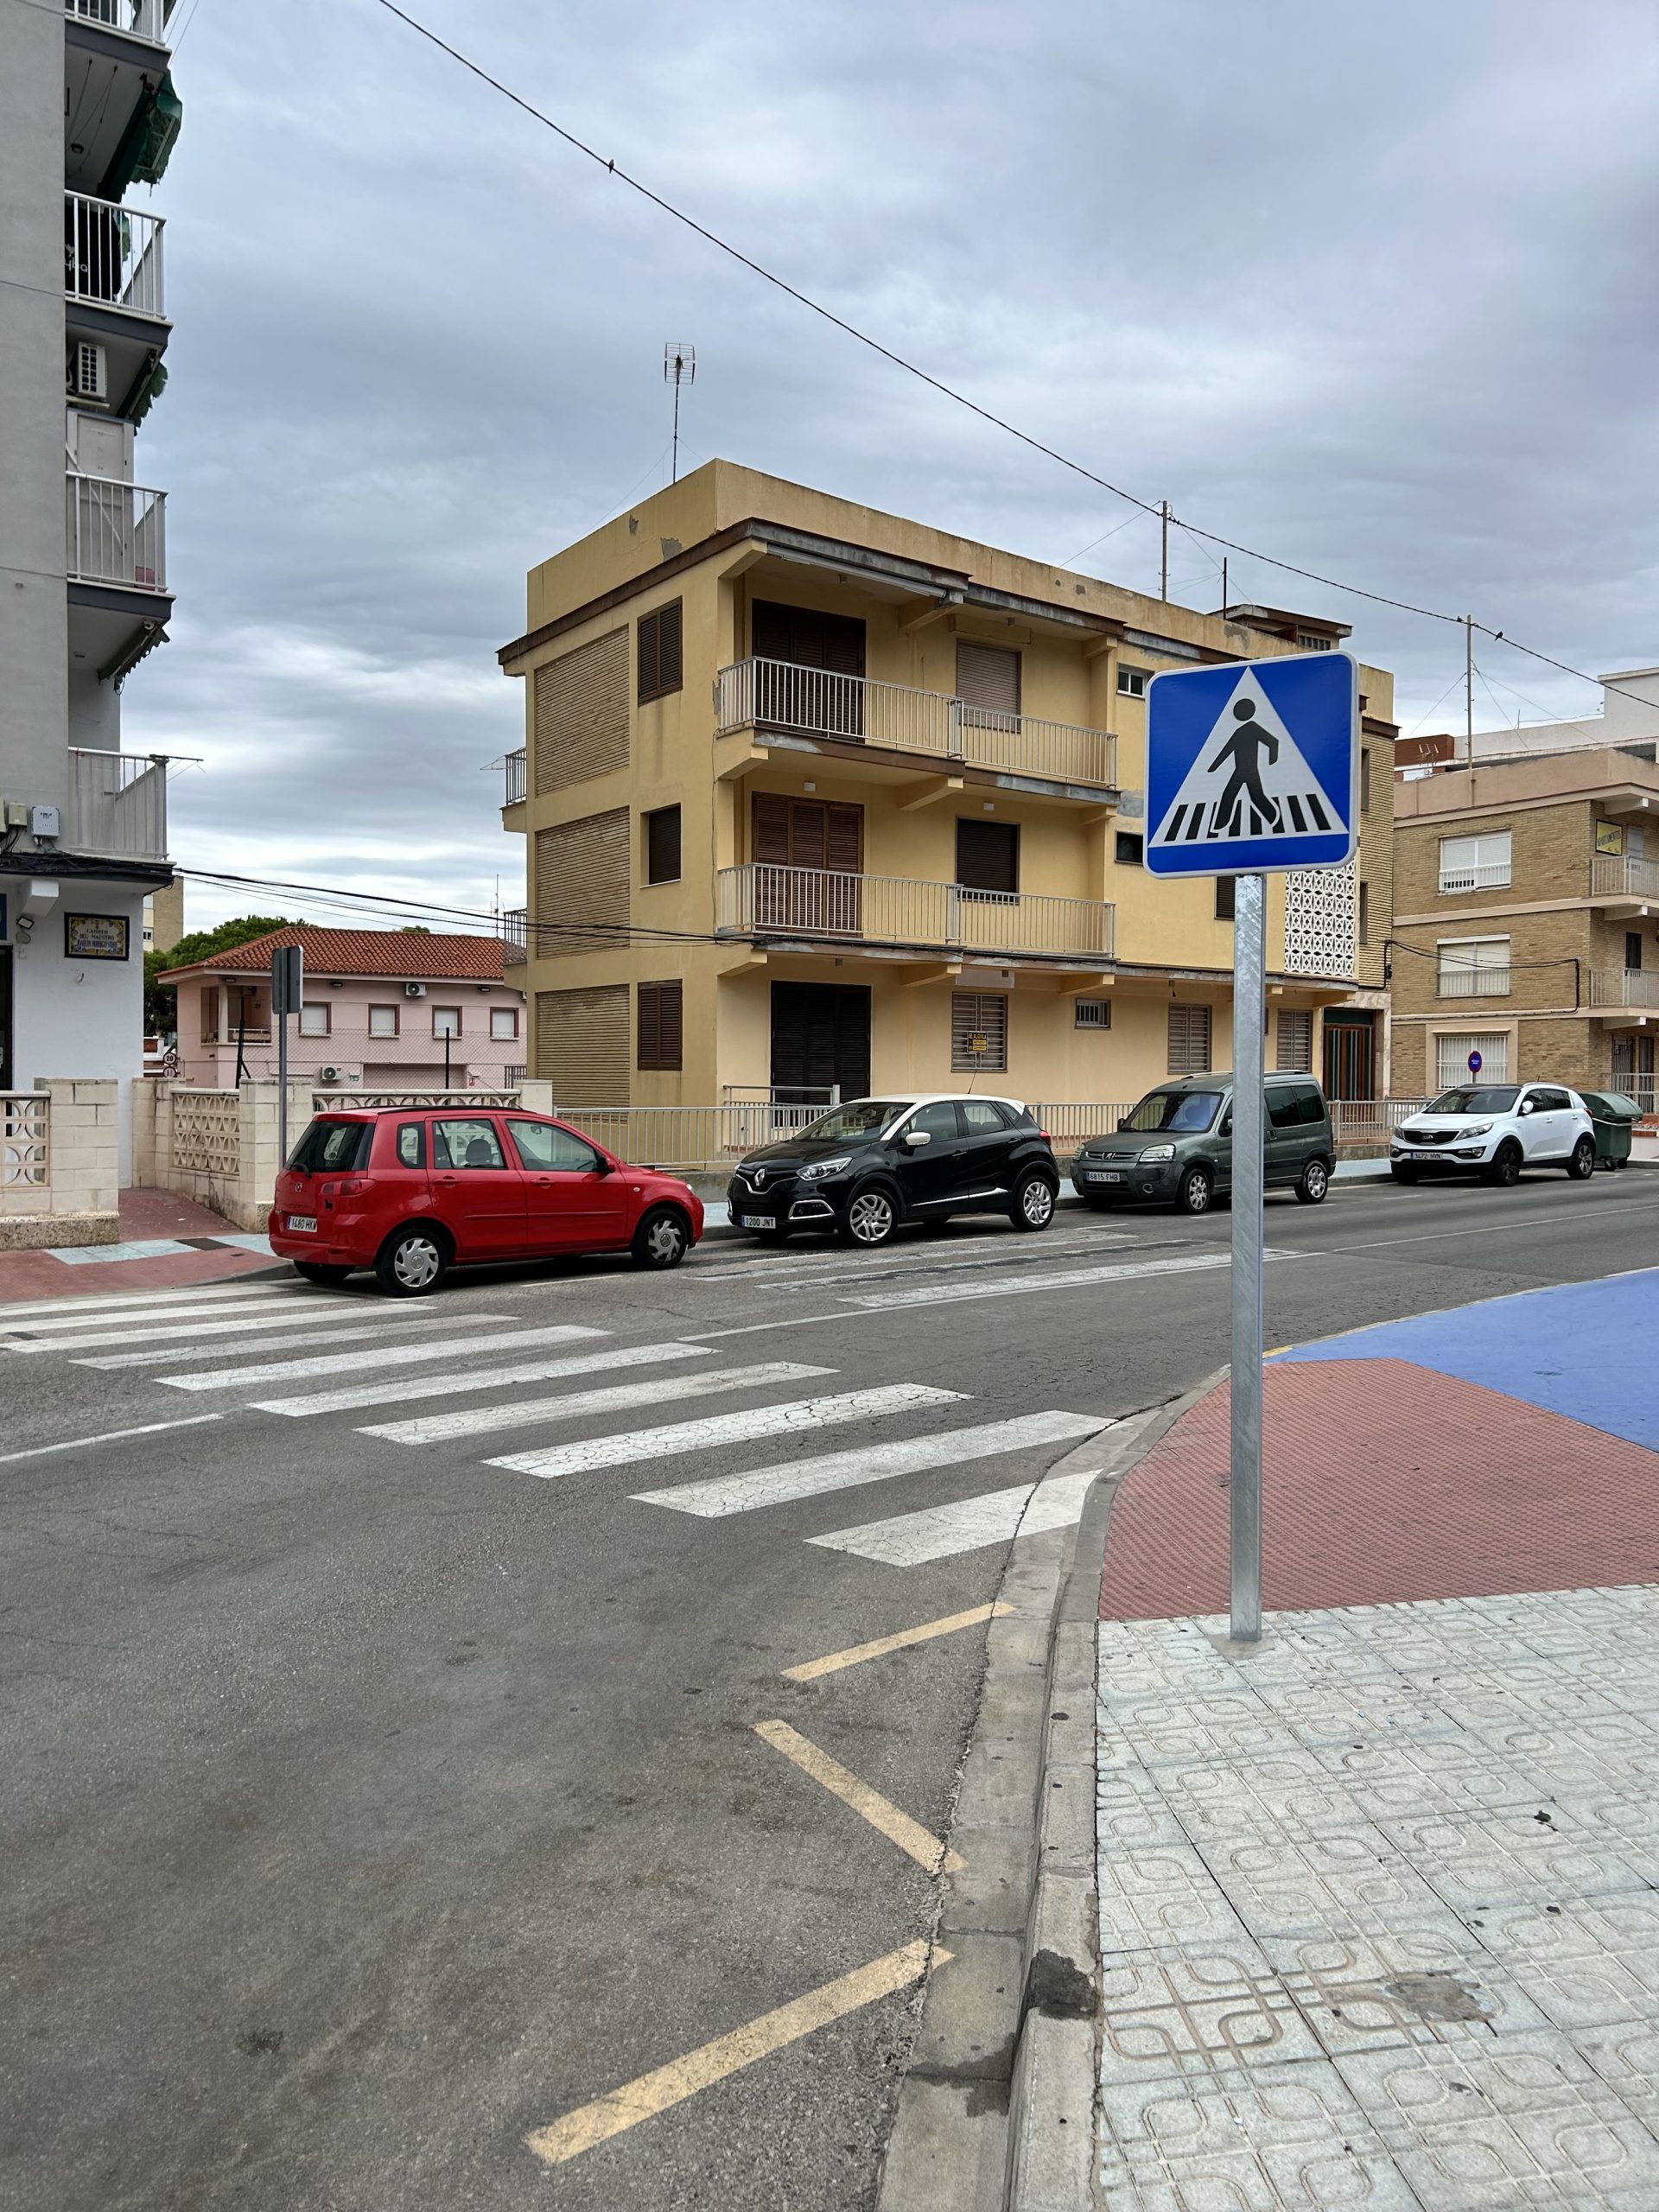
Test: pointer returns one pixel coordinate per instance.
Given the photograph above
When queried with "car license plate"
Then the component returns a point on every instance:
(1104, 1175)
(759, 1221)
(303, 1224)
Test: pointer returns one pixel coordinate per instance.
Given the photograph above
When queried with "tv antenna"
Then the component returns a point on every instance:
(679, 366)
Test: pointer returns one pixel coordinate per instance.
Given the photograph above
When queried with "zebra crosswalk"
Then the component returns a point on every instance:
(571, 1401)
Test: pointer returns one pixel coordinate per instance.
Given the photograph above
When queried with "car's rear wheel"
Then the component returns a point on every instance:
(870, 1220)
(1404, 1172)
(412, 1262)
(315, 1271)
(1505, 1169)
(1583, 1162)
(1033, 1204)
(1313, 1183)
(1197, 1190)
(662, 1240)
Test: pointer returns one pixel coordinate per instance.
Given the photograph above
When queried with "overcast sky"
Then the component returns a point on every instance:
(1371, 291)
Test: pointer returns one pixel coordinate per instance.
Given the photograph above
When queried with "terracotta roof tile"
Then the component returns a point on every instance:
(361, 952)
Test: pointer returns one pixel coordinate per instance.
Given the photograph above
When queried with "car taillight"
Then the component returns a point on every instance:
(347, 1188)
(1045, 1136)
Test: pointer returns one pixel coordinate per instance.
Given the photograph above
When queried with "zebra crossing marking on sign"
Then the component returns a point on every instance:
(1253, 765)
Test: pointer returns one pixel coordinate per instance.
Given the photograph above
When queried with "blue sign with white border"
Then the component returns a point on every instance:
(1253, 765)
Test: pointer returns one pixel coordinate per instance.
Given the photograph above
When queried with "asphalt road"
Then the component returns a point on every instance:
(370, 1807)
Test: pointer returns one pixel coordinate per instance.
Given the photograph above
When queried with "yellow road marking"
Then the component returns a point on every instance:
(856, 1654)
(911, 1836)
(670, 2085)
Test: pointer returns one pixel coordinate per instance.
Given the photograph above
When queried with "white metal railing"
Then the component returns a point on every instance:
(118, 805)
(777, 695)
(1624, 987)
(1459, 981)
(819, 1096)
(1069, 1125)
(759, 899)
(1371, 1120)
(138, 18)
(25, 1139)
(112, 256)
(711, 1137)
(515, 937)
(517, 777)
(1489, 875)
(1644, 1088)
(117, 533)
(1615, 875)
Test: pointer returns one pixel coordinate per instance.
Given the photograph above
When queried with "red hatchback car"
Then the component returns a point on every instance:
(412, 1192)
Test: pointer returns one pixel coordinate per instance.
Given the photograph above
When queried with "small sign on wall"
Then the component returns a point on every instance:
(96, 936)
(1610, 836)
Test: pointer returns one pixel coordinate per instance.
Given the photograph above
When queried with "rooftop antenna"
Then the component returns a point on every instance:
(679, 366)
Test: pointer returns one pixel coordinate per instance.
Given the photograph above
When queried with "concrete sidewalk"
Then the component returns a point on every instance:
(1379, 1897)
(167, 1244)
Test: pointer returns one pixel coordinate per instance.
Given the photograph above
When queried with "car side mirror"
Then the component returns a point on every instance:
(919, 1137)
(1526, 1105)
(605, 1167)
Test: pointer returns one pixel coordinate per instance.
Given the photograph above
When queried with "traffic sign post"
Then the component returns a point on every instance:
(1475, 1063)
(1252, 768)
(287, 988)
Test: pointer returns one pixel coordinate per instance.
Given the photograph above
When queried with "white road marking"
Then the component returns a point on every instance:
(404, 1389)
(289, 1317)
(125, 1301)
(1061, 1279)
(911, 1260)
(110, 1436)
(477, 1421)
(941, 1532)
(372, 1325)
(1441, 1236)
(726, 1428)
(349, 1363)
(870, 1463)
(156, 1309)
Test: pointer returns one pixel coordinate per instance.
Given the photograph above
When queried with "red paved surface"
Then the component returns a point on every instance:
(145, 1216)
(1383, 1482)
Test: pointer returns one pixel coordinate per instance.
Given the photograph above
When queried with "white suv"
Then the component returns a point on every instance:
(1494, 1130)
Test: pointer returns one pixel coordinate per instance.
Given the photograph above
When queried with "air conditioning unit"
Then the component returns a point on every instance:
(330, 1075)
(89, 371)
(414, 990)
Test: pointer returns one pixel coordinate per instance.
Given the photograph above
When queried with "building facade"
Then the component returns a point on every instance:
(87, 111)
(382, 1010)
(819, 799)
(1526, 922)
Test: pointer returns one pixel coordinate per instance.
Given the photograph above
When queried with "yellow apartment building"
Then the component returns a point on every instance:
(1526, 922)
(821, 798)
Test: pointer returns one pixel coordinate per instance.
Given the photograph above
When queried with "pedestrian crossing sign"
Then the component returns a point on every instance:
(1253, 765)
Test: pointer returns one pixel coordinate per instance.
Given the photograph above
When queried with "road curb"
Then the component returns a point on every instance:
(995, 2111)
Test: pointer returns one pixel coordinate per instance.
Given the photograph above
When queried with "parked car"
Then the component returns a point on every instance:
(413, 1191)
(1177, 1146)
(1494, 1130)
(863, 1168)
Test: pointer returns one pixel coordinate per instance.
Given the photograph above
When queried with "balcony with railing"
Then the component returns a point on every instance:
(897, 912)
(1481, 875)
(117, 533)
(516, 788)
(1623, 875)
(515, 937)
(145, 19)
(1624, 987)
(778, 697)
(1464, 980)
(117, 805)
(112, 256)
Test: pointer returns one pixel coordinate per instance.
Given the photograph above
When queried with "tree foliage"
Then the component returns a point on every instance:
(161, 1001)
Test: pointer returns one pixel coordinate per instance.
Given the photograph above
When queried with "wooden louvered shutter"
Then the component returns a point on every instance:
(581, 713)
(1189, 1041)
(845, 841)
(582, 1045)
(582, 884)
(1295, 1052)
(988, 680)
(771, 842)
(661, 1026)
(661, 658)
(988, 855)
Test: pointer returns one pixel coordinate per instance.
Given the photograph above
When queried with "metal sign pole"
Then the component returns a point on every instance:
(1250, 1005)
(287, 989)
(282, 1089)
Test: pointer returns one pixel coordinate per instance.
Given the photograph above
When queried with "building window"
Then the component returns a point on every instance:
(987, 684)
(1313, 641)
(1226, 890)
(1364, 778)
(1129, 850)
(1451, 1059)
(979, 1030)
(1295, 1054)
(1473, 967)
(1362, 921)
(1632, 948)
(663, 845)
(314, 1020)
(660, 655)
(1189, 1041)
(1132, 682)
(987, 857)
(504, 1023)
(661, 1026)
(383, 1021)
(445, 1022)
(1092, 1014)
(1475, 863)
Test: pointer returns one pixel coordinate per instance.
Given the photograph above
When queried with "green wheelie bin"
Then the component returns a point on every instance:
(1615, 1116)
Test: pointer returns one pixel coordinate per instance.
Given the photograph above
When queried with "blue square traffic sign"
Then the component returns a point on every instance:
(1253, 765)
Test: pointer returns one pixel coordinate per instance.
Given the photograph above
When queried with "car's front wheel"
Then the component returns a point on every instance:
(1583, 1162)
(662, 1240)
(412, 1262)
(871, 1219)
(1197, 1190)
(1313, 1183)
(315, 1271)
(1033, 1204)
(1404, 1171)
(1505, 1169)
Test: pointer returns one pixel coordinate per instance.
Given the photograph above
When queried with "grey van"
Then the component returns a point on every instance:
(1177, 1145)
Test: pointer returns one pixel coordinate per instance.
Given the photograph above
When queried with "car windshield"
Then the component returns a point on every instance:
(1496, 1098)
(859, 1117)
(1174, 1110)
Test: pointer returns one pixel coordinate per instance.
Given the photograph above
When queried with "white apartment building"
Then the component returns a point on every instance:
(87, 111)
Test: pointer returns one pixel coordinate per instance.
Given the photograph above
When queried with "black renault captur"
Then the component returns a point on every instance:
(861, 1170)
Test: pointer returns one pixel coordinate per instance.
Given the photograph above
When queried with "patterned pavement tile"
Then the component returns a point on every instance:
(1196, 2012)
(1162, 1895)
(1477, 1860)
(1398, 1986)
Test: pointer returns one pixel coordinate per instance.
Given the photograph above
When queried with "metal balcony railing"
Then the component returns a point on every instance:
(515, 937)
(112, 256)
(118, 533)
(1619, 875)
(138, 18)
(777, 695)
(760, 900)
(117, 805)
(1638, 987)
(1471, 982)
(1489, 875)
(517, 787)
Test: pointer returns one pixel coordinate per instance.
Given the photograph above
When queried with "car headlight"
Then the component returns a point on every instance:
(1476, 1129)
(1159, 1152)
(821, 1168)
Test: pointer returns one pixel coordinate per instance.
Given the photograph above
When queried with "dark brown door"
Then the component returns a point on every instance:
(804, 834)
(811, 671)
(820, 1037)
(1348, 1058)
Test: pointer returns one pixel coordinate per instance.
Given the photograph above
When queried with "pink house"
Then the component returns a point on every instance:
(384, 1010)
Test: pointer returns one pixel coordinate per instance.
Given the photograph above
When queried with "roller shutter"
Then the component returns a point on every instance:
(581, 881)
(1295, 1054)
(582, 1045)
(582, 713)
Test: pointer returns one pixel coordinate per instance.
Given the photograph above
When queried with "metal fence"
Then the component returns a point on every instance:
(777, 695)
(139, 18)
(1624, 987)
(112, 255)
(689, 1137)
(760, 900)
(117, 533)
(1071, 1125)
(1644, 1088)
(1371, 1120)
(1614, 875)
(517, 765)
(515, 937)
(1461, 981)
(118, 805)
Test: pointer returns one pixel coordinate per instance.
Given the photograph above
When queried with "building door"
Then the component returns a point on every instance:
(1348, 1066)
(1633, 1065)
(808, 857)
(820, 1038)
(7, 1072)
(811, 669)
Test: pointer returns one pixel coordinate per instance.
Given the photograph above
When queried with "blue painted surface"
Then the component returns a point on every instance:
(1586, 1349)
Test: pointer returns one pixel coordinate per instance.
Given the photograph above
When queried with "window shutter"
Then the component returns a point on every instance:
(663, 845)
(1295, 1054)
(1189, 1041)
(988, 855)
(582, 1045)
(844, 842)
(582, 869)
(988, 676)
(771, 839)
(580, 708)
(661, 657)
(661, 1026)
(977, 1014)
(803, 636)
